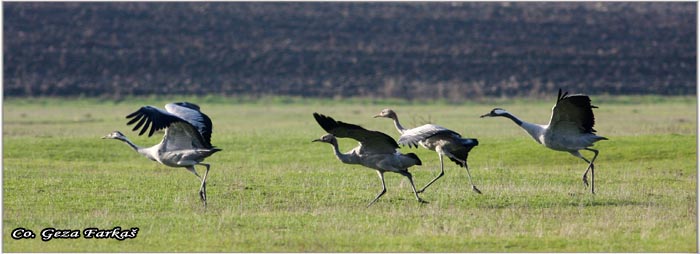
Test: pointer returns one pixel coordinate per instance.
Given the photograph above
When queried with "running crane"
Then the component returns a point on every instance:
(186, 142)
(376, 150)
(436, 138)
(570, 128)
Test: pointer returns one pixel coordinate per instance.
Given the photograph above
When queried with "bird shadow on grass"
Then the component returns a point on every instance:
(560, 201)
(604, 202)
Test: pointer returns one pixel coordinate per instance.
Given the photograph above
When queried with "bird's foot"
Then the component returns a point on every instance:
(422, 201)
(203, 196)
(475, 189)
(420, 191)
(585, 180)
(203, 192)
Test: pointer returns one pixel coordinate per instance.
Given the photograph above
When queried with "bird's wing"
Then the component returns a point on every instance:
(573, 110)
(190, 113)
(374, 141)
(153, 119)
(182, 136)
(411, 137)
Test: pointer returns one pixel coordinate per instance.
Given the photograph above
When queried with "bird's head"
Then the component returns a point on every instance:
(328, 138)
(387, 113)
(496, 112)
(115, 135)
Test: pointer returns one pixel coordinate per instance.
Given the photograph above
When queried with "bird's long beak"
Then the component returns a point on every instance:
(105, 137)
(377, 116)
(316, 140)
(485, 115)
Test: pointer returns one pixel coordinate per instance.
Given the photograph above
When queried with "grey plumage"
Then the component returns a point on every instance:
(570, 128)
(187, 139)
(444, 141)
(376, 150)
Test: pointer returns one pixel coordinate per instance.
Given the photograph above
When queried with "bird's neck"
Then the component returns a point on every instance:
(141, 150)
(400, 128)
(345, 158)
(535, 130)
(131, 144)
(515, 119)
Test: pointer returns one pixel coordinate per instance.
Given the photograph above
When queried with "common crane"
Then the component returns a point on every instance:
(187, 139)
(570, 128)
(436, 138)
(376, 150)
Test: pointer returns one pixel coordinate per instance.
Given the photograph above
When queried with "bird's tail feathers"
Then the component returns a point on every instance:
(463, 153)
(470, 142)
(414, 156)
(208, 151)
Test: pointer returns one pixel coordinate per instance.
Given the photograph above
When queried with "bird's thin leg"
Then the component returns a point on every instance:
(381, 176)
(592, 167)
(584, 178)
(191, 169)
(585, 174)
(466, 166)
(442, 172)
(410, 180)
(592, 178)
(203, 187)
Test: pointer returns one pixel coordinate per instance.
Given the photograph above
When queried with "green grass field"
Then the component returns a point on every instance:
(272, 190)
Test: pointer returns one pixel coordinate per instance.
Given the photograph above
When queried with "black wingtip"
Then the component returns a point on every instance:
(145, 127)
(136, 116)
(141, 119)
(153, 129)
(133, 114)
(326, 122)
(561, 95)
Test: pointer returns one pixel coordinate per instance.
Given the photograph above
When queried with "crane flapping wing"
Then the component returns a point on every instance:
(413, 136)
(573, 109)
(182, 136)
(190, 113)
(376, 141)
(153, 119)
(149, 116)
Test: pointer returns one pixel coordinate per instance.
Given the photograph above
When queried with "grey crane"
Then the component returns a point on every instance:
(436, 138)
(570, 128)
(376, 150)
(187, 139)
